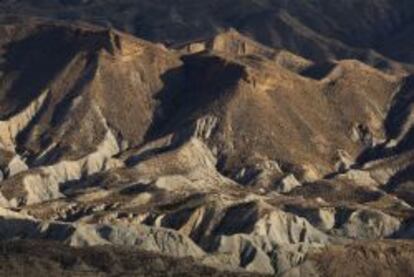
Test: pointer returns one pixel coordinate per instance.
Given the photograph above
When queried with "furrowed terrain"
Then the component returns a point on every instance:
(210, 155)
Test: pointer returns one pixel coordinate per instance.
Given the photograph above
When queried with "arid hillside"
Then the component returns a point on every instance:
(253, 142)
(375, 31)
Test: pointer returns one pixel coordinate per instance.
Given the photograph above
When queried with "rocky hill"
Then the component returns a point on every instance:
(239, 139)
(375, 31)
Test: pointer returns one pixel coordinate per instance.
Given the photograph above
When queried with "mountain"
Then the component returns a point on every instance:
(263, 138)
(373, 31)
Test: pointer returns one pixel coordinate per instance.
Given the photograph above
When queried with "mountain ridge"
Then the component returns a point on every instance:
(238, 156)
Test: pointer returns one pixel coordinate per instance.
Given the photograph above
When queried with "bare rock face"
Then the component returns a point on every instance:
(321, 217)
(262, 174)
(237, 157)
(16, 165)
(370, 224)
(287, 184)
(79, 235)
(249, 255)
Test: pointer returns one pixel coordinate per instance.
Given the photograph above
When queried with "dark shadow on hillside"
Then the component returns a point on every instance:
(401, 108)
(240, 218)
(400, 177)
(402, 185)
(35, 60)
(189, 91)
(318, 71)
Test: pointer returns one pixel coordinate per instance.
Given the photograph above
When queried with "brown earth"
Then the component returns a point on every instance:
(212, 149)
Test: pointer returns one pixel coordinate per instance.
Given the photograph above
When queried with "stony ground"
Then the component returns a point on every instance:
(210, 156)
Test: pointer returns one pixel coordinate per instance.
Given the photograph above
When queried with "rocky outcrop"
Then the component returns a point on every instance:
(222, 151)
(369, 224)
(15, 166)
(44, 183)
(15, 226)
(287, 184)
(11, 127)
(321, 217)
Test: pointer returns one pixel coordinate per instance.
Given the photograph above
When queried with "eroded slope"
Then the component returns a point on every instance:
(243, 157)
